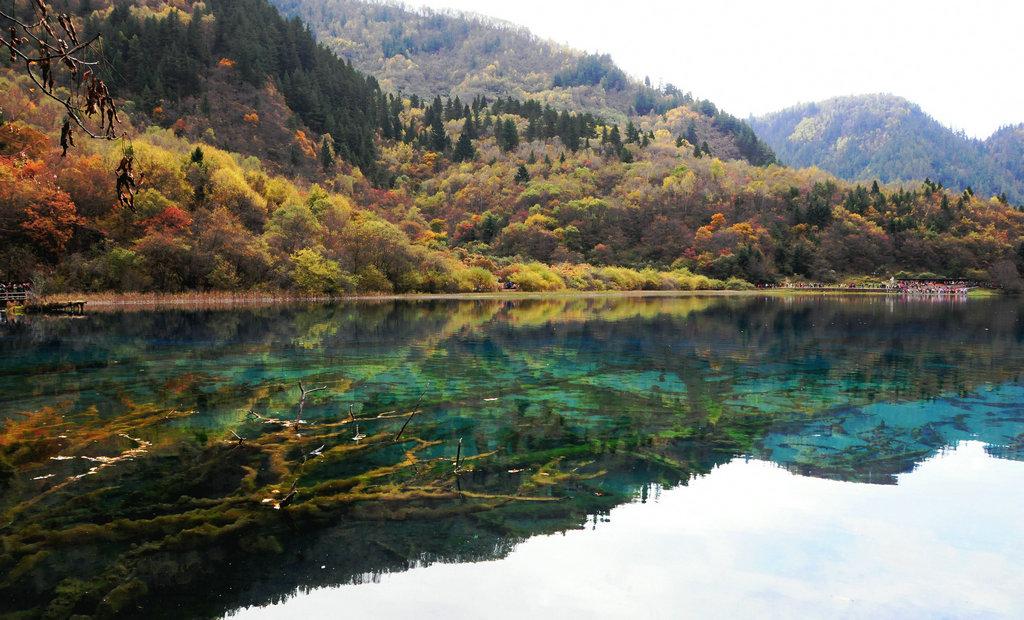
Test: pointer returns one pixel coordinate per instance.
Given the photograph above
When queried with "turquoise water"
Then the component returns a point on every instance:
(766, 441)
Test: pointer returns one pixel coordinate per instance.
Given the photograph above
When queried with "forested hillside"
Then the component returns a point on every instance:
(431, 194)
(458, 55)
(891, 139)
(237, 68)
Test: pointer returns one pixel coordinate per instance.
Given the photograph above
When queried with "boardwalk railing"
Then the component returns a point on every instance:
(6, 296)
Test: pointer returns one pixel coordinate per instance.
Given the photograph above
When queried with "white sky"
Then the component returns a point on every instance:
(961, 61)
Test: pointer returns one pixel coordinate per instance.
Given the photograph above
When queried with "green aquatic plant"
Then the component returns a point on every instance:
(170, 509)
(171, 449)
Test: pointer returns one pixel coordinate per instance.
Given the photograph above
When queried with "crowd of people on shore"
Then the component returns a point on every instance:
(14, 289)
(905, 287)
(917, 287)
(820, 286)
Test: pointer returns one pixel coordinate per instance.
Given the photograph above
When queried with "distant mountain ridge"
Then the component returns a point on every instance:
(453, 54)
(888, 138)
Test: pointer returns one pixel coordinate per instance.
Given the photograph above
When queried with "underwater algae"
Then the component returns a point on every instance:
(117, 535)
(187, 463)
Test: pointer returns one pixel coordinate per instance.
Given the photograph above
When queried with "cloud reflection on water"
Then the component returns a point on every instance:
(747, 540)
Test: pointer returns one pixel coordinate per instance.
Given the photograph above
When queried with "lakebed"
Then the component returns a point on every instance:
(198, 461)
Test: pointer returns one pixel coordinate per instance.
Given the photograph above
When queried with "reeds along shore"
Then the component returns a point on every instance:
(214, 299)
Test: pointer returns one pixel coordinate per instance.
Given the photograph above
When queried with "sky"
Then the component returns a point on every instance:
(962, 61)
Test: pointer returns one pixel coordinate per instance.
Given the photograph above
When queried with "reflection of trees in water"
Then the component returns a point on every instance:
(597, 399)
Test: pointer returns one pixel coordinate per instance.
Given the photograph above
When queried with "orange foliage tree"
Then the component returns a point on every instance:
(33, 210)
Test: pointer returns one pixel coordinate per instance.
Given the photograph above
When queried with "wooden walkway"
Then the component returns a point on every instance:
(7, 296)
(24, 298)
(61, 307)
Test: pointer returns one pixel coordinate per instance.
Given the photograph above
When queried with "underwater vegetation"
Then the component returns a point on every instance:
(184, 463)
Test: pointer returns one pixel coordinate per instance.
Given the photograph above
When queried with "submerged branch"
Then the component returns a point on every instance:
(414, 411)
(302, 399)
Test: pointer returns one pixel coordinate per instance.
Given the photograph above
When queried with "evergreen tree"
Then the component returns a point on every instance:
(439, 140)
(522, 175)
(550, 122)
(632, 135)
(614, 138)
(532, 130)
(464, 149)
(571, 137)
(691, 132)
(327, 153)
(509, 136)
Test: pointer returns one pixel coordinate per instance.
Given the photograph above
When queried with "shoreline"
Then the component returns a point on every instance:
(143, 301)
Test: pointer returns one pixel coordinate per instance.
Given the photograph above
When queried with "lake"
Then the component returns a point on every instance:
(606, 456)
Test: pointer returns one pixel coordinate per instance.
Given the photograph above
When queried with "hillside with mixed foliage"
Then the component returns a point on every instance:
(423, 194)
(452, 54)
(236, 69)
(888, 138)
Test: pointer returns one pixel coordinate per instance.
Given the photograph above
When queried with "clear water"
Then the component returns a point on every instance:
(725, 456)
(747, 540)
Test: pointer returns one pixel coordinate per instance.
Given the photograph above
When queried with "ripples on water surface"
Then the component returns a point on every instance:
(801, 456)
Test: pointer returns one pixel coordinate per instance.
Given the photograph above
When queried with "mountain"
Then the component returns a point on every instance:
(462, 55)
(265, 162)
(887, 138)
(1005, 150)
(238, 76)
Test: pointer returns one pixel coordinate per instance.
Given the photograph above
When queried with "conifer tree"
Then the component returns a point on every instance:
(327, 153)
(614, 138)
(632, 135)
(439, 140)
(464, 149)
(522, 175)
(509, 135)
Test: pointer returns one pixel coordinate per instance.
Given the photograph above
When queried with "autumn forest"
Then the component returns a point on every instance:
(263, 160)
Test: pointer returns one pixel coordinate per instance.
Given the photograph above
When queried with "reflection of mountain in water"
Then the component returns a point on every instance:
(564, 408)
